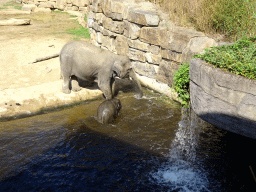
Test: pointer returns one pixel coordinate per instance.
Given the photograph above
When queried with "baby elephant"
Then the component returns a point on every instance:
(108, 110)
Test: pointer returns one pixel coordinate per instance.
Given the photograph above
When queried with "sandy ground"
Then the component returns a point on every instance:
(26, 88)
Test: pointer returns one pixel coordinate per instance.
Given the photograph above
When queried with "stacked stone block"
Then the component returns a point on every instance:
(63, 5)
(155, 46)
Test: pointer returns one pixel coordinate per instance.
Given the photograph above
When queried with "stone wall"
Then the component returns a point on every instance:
(155, 45)
(223, 99)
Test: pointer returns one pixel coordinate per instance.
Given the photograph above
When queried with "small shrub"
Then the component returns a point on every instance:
(181, 83)
(238, 58)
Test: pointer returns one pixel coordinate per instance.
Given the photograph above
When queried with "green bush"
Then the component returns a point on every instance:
(181, 83)
(238, 58)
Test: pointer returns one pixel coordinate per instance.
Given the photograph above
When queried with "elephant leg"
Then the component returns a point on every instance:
(74, 84)
(105, 87)
(66, 85)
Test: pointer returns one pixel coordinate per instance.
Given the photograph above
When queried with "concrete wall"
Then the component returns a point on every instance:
(223, 99)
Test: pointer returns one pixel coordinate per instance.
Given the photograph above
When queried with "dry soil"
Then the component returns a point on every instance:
(26, 88)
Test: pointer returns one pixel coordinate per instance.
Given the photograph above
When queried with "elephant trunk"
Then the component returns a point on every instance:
(137, 82)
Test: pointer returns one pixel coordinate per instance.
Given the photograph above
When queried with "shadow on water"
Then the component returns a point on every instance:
(149, 147)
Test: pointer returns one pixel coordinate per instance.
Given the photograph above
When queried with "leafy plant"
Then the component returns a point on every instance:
(238, 58)
(181, 83)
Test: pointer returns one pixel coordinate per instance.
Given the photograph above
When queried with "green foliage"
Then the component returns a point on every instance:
(235, 17)
(85, 17)
(181, 83)
(80, 33)
(238, 58)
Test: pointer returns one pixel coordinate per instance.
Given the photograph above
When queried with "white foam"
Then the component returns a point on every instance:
(181, 176)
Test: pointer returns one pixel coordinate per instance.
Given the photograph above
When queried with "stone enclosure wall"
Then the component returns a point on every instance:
(138, 29)
(223, 99)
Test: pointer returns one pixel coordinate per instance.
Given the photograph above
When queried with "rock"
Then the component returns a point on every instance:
(61, 4)
(196, 45)
(99, 37)
(113, 9)
(145, 18)
(178, 39)
(83, 9)
(96, 6)
(99, 17)
(121, 45)
(155, 59)
(137, 44)
(14, 22)
(153, 35)
(145, 69)
(154, 49)
(166, 70)
(172, 55)
(136, 55)
(28, 7)
(131, 30)
(42, 10)
(143, 14)
(80, 3)
(109, 43)
(114, 26)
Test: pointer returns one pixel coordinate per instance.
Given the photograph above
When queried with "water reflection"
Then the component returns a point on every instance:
(149, 146)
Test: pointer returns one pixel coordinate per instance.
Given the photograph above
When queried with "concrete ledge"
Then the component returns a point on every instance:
(223, 99)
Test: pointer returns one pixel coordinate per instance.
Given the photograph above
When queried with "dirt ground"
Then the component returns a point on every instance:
(26, 88)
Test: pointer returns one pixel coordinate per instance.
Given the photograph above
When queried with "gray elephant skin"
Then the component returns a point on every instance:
(81, 60)
(108, 110)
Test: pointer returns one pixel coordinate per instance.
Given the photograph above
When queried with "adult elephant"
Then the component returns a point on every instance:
(81, 60)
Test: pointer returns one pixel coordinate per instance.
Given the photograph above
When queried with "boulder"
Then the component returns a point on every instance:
(80, 3)
(113, 9)
(114, 26)
(131, 30)
(28, 7)
(143, 14)
(153, 35)
(96, 6)
(136, 55)
(178, 39)
(197, 45)
(121, 45)
(61, 4)
(108, 43)
(145, 69)
(172, 55)
(166, 70)
(154, 49)
(155, 59)
(137, 44)
(42, 10)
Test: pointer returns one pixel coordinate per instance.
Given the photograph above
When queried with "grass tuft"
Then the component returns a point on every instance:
(234, 18)
(80, 33)
(12, 4)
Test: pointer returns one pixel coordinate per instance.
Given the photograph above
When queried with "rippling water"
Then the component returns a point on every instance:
(150, 147)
